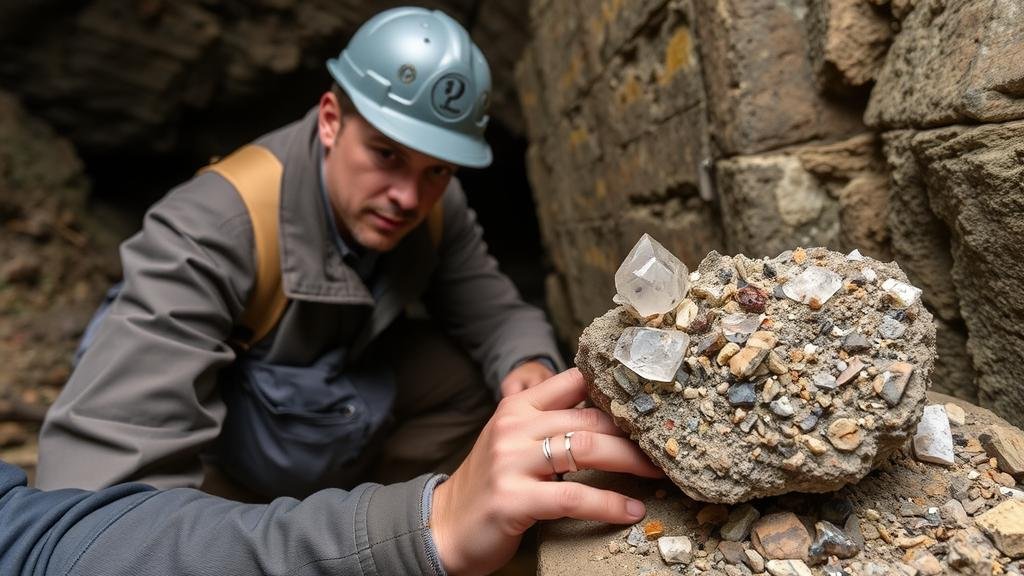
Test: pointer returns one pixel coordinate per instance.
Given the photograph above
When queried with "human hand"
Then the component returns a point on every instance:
(526, 375)
(506, 484)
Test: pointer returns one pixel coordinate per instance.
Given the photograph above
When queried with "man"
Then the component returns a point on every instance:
(466, 525)
(342, 387)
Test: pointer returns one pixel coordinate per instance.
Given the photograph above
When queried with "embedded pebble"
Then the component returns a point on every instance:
(675, 549)
(933, 441)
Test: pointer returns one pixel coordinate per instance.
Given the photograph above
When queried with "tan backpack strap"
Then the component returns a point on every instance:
(256, 174)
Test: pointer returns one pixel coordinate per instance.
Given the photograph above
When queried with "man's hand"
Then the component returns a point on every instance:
(526, 375)
(506, 483)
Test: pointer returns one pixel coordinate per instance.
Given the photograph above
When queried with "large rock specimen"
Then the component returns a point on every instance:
(799, 373)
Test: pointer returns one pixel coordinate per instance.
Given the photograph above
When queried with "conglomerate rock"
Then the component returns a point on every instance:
(774, 395)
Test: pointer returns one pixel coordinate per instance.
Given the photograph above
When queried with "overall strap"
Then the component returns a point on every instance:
(256, 174)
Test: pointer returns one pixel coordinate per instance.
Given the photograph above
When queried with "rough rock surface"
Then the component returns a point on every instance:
(904, 516)
(953, 61)
(740, 422)
(848, 40)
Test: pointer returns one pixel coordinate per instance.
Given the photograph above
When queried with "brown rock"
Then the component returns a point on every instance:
(733, 552)
(1005, 525)
(848, 41)
(1006, 445)
(851, 372)
(926, 564)
(891, 383)
(845, 435)
(746, 361)
(781, 536)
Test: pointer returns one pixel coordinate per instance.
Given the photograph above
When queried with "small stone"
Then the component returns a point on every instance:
(933, 441)
(890, 328)
(830, 540)
(780, 536)
(1002, 478)
(954, 515)
(869, 274)
(851, 371)
(782, 407)
(754, 560)
(690, 393)
(808, 423)
(974, 506)
(794, 462)
(727, 352)
(675, 549)
(751, 298)
(845, 435)
(912, 541)
(817, 447)
(926, 564)
(636, 536)
(619, 409)
(733, 552)
(815, 284)
(746, 361)
(613, 547)
(956, 414)
(825, 381)
(672, 447)
(626, 379)
(686, 313)
(1006, 445)
(763, 339)
(652, 353)
(856, 342)
(651, 279)
(749, 422)
(653, 529)
(788, 568)
(737, 527)
(742, 395)
(775, 364)
(644, 403)
(1005, 525)
(713, 514)
(892, 382)
(903, 295)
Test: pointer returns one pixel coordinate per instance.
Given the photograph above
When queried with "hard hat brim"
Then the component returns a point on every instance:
(448, 145)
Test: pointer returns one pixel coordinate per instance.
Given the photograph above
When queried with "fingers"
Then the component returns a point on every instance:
(571, 499)
(558, 422)
(593, 451)
(563, 390)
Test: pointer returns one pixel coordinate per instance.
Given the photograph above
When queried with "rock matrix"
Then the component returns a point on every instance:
(801, 372)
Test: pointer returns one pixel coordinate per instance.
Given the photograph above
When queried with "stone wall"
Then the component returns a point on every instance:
(123, 77)
(755, 126)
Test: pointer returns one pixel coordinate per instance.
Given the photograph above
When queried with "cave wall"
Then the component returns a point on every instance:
(755, 126)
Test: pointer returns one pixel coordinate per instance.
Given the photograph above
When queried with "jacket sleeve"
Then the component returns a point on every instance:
(478, 304)
(132, 529)
(142, 402)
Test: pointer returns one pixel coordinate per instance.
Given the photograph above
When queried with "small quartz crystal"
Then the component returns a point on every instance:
(738, 327)
(652, 353)
(813, 285)
(651, 279)
(901, 293)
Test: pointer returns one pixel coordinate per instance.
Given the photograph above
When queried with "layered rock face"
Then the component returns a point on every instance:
(795, 373)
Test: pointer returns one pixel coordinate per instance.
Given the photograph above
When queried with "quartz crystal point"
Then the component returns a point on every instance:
(651, 279)
(652, 353)
(814, 284)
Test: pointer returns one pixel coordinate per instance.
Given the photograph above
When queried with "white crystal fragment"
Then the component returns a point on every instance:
(652, 353)
(934, 441)
(814, 283)
(694, 276)
(855, 256)
(903, 294)
(1011, 492)
(740, 325)
(675, 549)
(869, 274)
(651, 279)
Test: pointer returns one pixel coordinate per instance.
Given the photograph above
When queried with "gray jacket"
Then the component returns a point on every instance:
(133, 530)
(143, 403)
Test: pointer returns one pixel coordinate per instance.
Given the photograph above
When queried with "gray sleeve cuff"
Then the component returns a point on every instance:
(428, 501)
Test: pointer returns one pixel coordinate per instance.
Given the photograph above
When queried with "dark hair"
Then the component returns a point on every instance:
(344, 102)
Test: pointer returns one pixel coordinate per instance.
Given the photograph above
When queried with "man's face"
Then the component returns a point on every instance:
(379, 189)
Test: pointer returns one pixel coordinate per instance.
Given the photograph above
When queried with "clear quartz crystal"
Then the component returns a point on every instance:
(902, 294)
(652, 353)
(814, 283)
(651, 279)
(736, 327)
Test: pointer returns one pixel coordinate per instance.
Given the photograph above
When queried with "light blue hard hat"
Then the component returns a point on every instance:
(416, 76)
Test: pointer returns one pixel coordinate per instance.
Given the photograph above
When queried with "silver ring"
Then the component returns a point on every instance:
(568, 452)
(546, 448)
